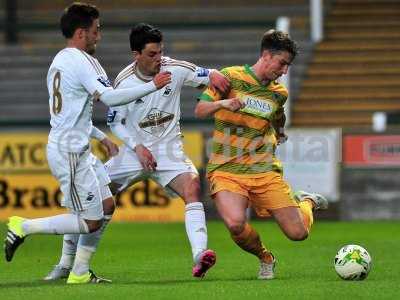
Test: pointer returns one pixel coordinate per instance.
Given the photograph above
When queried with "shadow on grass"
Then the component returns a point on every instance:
(30, 284)
(191, 281)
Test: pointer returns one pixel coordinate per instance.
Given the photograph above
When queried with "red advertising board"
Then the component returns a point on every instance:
(371, 150)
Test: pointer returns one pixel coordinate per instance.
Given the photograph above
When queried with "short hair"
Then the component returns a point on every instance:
(278, 41)
(77, 15)
(142, 34)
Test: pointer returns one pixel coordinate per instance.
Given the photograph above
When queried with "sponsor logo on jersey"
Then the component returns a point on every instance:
(167, 91)
(104, 81)
(258, 105)
(202, 72)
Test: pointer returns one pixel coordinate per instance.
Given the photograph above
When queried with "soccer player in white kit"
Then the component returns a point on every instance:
(150, 130)
(75, 79)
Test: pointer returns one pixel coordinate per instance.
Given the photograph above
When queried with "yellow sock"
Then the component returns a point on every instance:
(249, 240)
(306, 209)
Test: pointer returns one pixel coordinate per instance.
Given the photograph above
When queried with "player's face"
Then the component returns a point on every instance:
(149, 59)
(92, 36)
(275, 65)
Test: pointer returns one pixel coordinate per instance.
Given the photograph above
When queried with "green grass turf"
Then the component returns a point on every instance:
(153, 261)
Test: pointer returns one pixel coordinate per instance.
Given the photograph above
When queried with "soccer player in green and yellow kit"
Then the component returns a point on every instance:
(243, 169)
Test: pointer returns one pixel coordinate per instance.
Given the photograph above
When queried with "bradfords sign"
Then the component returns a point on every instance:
(28, 189)
(372, 150)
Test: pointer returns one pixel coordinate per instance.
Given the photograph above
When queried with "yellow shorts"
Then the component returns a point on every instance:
(267, 192)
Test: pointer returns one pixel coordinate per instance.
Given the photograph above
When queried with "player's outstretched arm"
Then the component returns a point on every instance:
(124, 96)
(205, 109)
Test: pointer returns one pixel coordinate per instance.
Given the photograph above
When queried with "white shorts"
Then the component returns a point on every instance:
(125, 168)
(79, 181)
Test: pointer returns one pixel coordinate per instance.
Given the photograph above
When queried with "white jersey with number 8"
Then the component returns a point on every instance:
(74, 80)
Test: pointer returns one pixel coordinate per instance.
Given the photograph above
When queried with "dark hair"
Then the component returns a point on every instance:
(77, 15)
(278, 41)
(142, 34)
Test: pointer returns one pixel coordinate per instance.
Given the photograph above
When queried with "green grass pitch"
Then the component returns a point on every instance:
(153, 261)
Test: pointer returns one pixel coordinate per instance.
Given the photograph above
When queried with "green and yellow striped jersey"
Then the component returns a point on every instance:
(244, 142)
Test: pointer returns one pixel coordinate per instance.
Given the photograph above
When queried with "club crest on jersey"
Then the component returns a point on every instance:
(156, 122)
(167, 91)
(202, 72)
(104, 81)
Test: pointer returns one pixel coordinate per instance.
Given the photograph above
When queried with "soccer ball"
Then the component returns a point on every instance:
(352, 262)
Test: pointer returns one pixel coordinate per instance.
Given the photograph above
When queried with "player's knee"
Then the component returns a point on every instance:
(94, 225)
(235, 228)
(192, 189)
(298, 234)
(108, 206)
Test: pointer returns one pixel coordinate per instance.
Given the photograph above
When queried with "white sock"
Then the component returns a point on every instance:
(82, 259)
(91, 240)
(70, 242)
(88, 243)
(59, 224)
(196, 230)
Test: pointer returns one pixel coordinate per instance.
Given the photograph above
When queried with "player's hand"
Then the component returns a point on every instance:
(162, 79)
(233, 104)
(219, 82)
(146, 158)
(111, 148)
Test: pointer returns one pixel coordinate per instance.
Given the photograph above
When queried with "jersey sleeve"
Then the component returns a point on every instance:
(211, 94)
(197, 76)
(92, 76)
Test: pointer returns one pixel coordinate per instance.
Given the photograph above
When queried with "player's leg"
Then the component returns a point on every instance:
(296, 222)
(70, 241)
(231, 196)
(64, 266)
(308, 203)
(86, 186)
(187, 186)
(122, 174)
(291, 222)
(232, 209)
(19, 228)
(67, 168)
(87, 245)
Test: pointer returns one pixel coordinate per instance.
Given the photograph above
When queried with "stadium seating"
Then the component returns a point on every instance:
(355, 70)
(201, 34)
